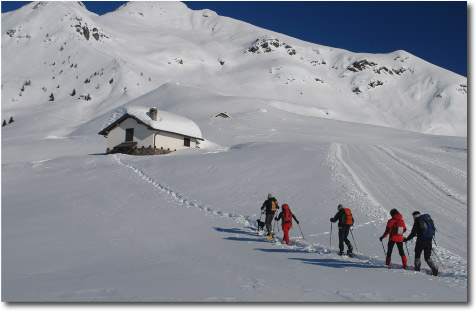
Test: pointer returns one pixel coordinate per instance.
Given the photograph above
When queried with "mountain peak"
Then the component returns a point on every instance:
(61, 51)
(38, 5)
(151, 8)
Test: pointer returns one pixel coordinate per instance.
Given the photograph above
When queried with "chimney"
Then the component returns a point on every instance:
(153, 113)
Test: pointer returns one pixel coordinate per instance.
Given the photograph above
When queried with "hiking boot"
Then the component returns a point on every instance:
(404, 262)
(417, 264)
(434, 272)
(341, 253)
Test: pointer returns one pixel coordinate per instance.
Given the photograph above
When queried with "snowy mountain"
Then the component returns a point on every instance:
(80, 225)
(58, 56)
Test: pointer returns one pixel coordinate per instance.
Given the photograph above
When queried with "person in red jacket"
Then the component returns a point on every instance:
(396, 228)
(287, 217)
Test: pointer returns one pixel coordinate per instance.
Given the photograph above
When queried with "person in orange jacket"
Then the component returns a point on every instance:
(287, 222)
(396, 228)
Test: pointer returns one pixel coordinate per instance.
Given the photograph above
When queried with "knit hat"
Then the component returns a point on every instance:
(416, 214)
(340, 206)
(270, 195)
(394, 212)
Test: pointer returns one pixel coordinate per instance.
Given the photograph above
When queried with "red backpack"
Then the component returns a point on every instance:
(287, 214)
(347, 218)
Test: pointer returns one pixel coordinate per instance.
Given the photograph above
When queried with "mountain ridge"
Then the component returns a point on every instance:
(142, 45)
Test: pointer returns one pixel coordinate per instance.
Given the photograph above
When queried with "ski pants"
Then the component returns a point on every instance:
(399, 246)
(269, 221)
(343, 234)
(424, 246)
(286, 227)
(400, 251)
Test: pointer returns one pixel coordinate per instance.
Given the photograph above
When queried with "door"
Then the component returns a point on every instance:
(130, 134)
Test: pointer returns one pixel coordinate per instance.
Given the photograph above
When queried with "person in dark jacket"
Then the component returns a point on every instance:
(287, 217)
(270, 206)
(343, 230)
(395, 227)
(422, 245)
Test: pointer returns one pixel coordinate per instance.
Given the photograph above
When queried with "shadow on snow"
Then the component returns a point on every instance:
(335, 263)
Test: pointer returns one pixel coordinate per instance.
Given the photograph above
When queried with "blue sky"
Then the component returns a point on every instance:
(433, 31)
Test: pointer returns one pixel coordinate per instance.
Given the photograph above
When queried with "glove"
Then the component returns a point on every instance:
(297, 222)
(381, 238)
(276, 218)
(405, 240)
(331, 219)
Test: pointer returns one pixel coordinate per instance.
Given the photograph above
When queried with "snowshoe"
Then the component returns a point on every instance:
(341, 253)
(351, 255)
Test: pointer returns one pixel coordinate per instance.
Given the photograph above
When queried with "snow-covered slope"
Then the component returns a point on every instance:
(90, 64)
(79, 225)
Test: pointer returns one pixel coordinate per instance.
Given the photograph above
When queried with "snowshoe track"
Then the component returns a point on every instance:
(178, 197)
(251, 225)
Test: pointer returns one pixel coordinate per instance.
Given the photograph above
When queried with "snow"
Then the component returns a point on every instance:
(79, 225)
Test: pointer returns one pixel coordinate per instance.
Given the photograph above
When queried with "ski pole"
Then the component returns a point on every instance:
(384, 252)
(330, 237)
(438, 258)
(353, 240)
(301, 232)
(409, 257)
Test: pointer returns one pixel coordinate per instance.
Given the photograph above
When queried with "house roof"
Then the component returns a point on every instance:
(223, 114)
(166, 121)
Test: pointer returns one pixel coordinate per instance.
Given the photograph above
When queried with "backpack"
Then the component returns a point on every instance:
(398, 227)
(287, 215)
(347, 218)
(427, 226)
(274, 205)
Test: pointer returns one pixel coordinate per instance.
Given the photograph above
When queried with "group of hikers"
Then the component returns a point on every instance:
(423, 229)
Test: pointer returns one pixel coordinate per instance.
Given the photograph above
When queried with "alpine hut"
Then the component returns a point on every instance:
(143, 131)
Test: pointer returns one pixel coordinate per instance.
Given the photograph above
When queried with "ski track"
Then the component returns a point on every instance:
(251, 226)
(449, 169)
(445, 191)
(357, 191)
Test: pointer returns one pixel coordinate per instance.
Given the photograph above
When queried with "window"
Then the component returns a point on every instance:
(186, 142)
(129, 134)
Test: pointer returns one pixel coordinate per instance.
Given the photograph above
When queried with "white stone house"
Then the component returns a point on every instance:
(142, 131)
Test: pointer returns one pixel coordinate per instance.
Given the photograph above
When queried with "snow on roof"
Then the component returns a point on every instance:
(166, 121)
